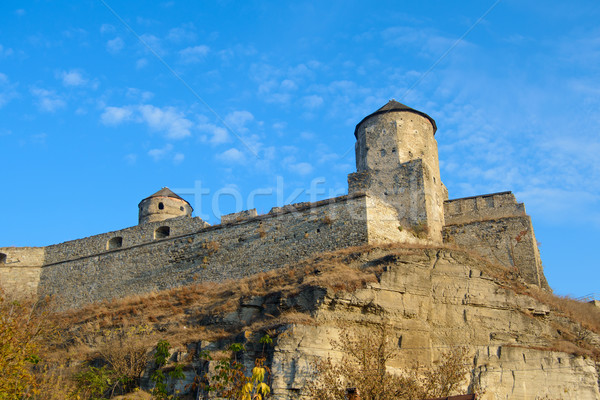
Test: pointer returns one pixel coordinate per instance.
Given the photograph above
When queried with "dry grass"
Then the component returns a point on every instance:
(183, 314)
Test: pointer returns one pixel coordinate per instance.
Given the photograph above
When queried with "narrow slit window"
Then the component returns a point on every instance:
(3, 258)
(161, 206)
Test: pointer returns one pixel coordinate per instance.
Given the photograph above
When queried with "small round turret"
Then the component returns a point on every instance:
(163, 205)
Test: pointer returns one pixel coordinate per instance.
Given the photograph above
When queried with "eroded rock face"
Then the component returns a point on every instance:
(434, 300)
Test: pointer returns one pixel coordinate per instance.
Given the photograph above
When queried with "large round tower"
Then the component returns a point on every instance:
(397, 161)
(163, 205)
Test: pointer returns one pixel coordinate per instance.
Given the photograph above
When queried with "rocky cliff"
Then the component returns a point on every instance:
(522, 342)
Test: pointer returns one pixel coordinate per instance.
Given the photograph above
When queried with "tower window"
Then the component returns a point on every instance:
(114, 243)
(2, 258)
(181, 208)
(161, 206)
(162, 232)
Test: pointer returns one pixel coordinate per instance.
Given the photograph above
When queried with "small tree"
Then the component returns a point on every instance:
(229, 380)
(22, 326)
(363, 366)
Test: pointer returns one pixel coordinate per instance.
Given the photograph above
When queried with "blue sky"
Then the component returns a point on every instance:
(99, 109)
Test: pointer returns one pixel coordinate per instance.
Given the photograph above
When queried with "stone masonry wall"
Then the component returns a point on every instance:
(406, 188)
(20, 269)
(215, 253)
(478, 208)
(133, 236)
(508, 241)
(396, 144)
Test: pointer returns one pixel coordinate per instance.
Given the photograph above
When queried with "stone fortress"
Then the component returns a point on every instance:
(396, 195)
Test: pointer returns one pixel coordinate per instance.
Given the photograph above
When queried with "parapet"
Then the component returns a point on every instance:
(238, 216)
(482, 208)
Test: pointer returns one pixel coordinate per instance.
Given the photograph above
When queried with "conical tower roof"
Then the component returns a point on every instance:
(393, 105)
(165, 192)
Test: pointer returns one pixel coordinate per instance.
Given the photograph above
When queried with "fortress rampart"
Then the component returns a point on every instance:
(484, 207)
(497, 227)
(396, 195)
(230, 250)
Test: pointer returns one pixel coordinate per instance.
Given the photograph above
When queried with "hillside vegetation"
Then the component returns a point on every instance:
(110, 348)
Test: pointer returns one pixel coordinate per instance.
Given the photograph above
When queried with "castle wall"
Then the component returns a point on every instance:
(215, 253)
(478, 208)
(508, 241)
(497, 227)
(133, 236)
(20, 269)
(384, 226)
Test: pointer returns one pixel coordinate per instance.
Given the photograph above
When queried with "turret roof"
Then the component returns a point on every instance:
(393, 105)
(165, 192)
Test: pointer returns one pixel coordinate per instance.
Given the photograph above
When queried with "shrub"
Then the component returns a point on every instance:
(22, 326)
(229, 380)
(421, 230)
(363, 367)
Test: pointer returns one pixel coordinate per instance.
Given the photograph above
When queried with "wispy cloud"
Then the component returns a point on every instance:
(7, 90)
(166, 153)
(302, 168)
(194, 54)
(159, 154)
(115, 45)
(184, 33)
(5, 51)
(231, 156)
(76, 78)
(116, 115)
(48, 100)
(168, 120)
(218, 134)
(238, 120)
(107, 28)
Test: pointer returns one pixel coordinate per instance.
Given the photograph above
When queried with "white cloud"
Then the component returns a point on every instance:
(307, 135)
(159, 154)
(182, 33)
(107, 28)
(141, 63)
(138, 94)
(73, 78)
(166, 119)
(313, 101)
(7, 90)
(154, 42)
(302, 168)
(218, 133)
(5, 51)
(178, 158)
(288, 84)
(195, 54)
(280, 126)
(237, 120)
(131, 158)
(115, 45)
(231, 156)
(48, 100)
(116, 115)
